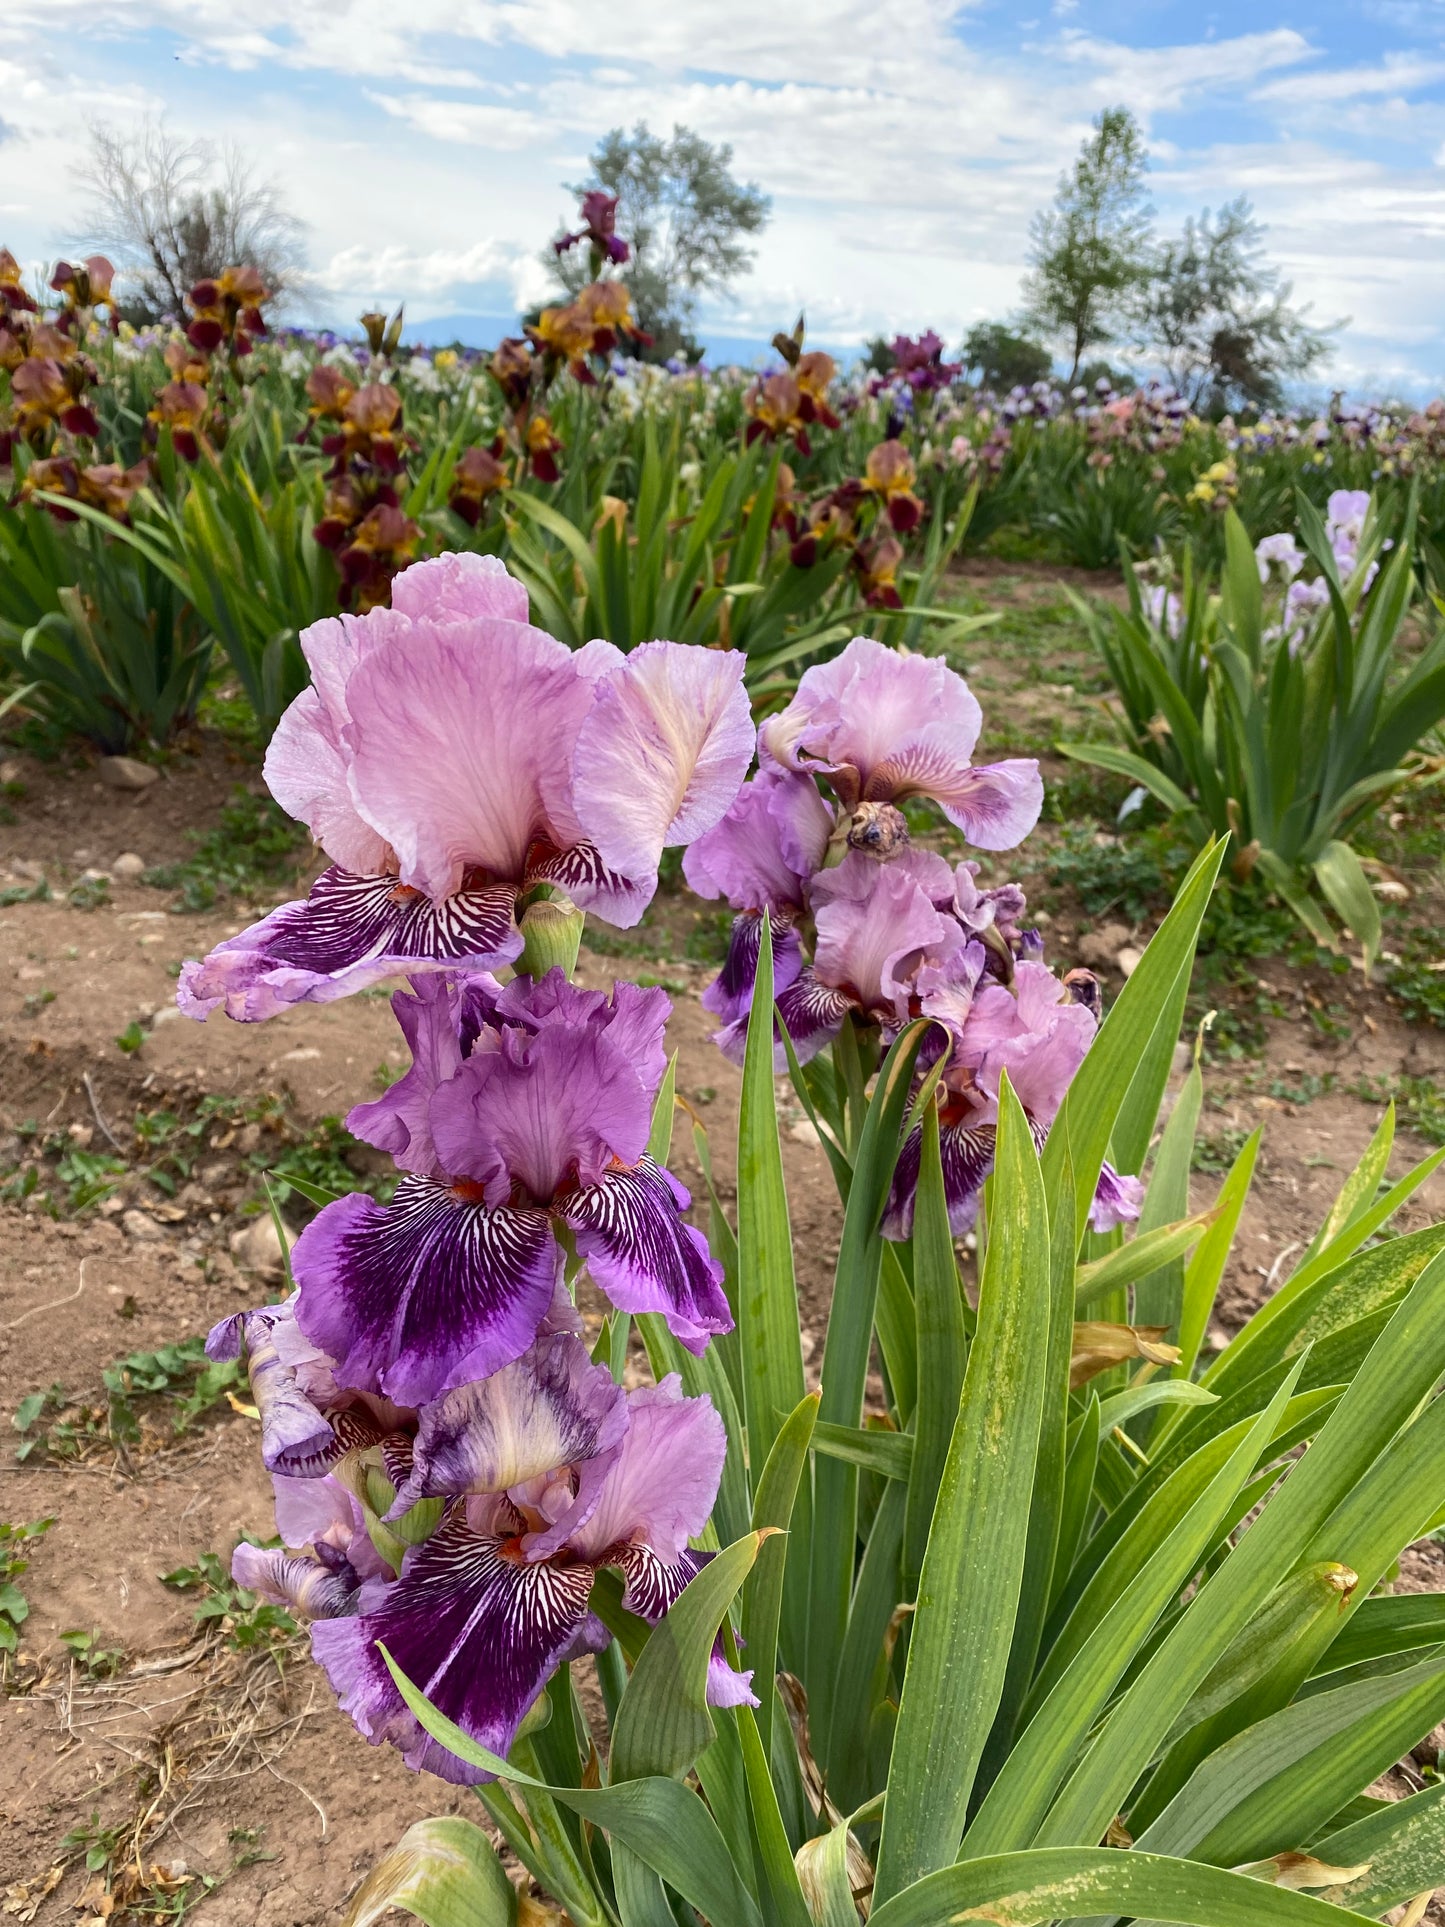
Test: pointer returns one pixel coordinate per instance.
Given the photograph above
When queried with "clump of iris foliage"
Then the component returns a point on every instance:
(1061, 1623)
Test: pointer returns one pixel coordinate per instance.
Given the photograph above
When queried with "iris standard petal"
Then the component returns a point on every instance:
(632, 1236)
(541, 1111)
(662, 752)
(476, 1628)
(994, 804)
(877, 922)
(771, 841)
(851, 715)
(660, 1490)
(349, 933)
(418, 1296)
(457, 587)
(306, 768)
(552, 1407)
(398, 1122)
(455, 737)
(634, 1017)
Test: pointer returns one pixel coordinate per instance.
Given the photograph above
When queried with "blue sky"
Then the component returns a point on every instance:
(424, 143)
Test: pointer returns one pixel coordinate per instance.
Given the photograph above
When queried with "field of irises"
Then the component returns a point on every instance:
(1043, 1566)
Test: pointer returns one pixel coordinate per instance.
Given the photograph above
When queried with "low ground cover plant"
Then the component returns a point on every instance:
(1053, 1619)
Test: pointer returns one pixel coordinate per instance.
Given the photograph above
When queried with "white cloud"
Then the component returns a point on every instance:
(1396, 74)
(469, 123)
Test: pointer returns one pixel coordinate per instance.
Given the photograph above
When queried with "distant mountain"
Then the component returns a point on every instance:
(486, 330)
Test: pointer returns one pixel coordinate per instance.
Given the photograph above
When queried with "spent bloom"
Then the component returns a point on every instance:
(449, 757)
(523, 1121)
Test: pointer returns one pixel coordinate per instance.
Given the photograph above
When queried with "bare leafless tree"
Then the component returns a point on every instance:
(171, 212)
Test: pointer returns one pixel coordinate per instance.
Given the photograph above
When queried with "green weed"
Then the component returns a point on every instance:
(254, 849)
(150, 1399)
(88, 893)
(93, 1659)
(242, 1621)
(14, 1606)
(1216, 1152)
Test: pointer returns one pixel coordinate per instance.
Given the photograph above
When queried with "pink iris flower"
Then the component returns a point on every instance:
(450, 757)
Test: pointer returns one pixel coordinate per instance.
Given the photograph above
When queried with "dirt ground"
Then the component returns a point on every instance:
(235, 1768)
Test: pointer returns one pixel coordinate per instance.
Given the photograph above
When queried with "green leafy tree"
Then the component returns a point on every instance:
(1089, 252)
(1219, 316)
(1003, 358)
(686, 219)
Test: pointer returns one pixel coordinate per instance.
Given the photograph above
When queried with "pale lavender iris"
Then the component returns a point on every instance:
(1279, 552)
(1038, 1031)
(525, 1116)
(882, 727)
(551, 1472)
(761, 857)
(449, 756)
(1345, 515)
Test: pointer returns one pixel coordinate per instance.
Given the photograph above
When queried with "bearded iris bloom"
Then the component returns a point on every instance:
(1038, 1030)
(501, 1499)
(881, 727)
(896, 939)
(898, 934)
(522, 1123)
(598, 229)
(878, 728)
(450, 757)
(890, 474)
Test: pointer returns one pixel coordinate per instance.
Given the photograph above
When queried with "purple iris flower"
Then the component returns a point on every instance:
(1345, 514)
(896, 939)
(326, 1556)
(1038, 1031)
(549, 1471)
(882, 727)
(449, 756)
(761, 856)
(524, 1119)
(536, 1476)
(890, 941)
(920, 362)
(599, 227)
